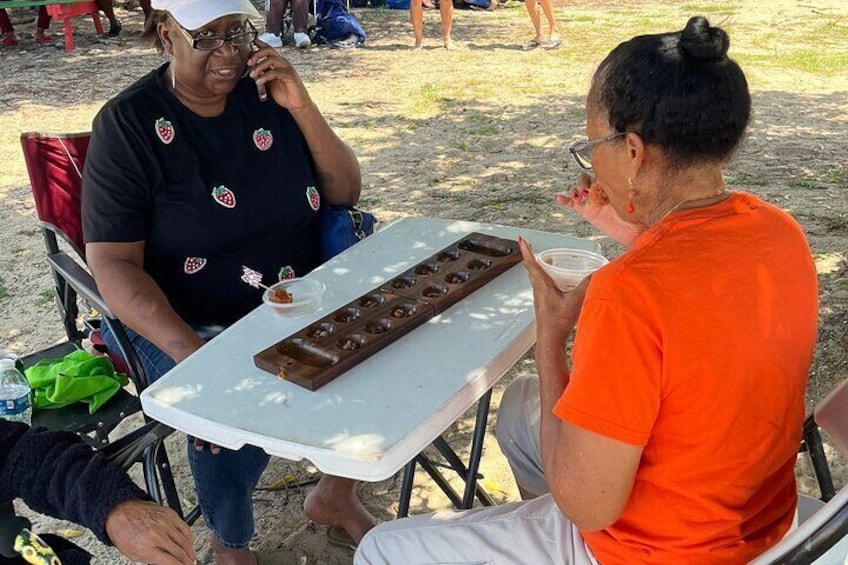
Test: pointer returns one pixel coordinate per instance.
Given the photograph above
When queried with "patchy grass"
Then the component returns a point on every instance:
(837, 223)
(743, 181)
(839, 176)
(4, 292)
(803, 183)
(45, 297)
(710, 9)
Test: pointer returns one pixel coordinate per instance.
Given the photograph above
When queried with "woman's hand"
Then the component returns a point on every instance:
(556, 310)
(603, 217)
(270, 68)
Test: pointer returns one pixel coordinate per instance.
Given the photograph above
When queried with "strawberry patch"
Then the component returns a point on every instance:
(314, 197)
(193, 264)
(285, 273)
(263, 138)
(165, 131)
(224, 196)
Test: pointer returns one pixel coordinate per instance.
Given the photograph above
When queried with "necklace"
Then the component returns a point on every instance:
(674, 208)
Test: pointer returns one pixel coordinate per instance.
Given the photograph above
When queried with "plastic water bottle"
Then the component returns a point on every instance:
(15, 394)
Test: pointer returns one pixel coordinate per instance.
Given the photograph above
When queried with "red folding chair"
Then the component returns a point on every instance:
(55, 163)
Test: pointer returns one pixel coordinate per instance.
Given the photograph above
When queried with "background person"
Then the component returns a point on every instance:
(674, 436)
(190, 176)
(7, 31)
(416, 14)
(538, 40)
(275, 11)
(58, 475)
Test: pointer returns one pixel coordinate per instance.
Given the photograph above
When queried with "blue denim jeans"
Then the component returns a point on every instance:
(224, 483)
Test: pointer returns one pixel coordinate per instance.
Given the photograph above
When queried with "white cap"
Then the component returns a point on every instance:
(7, 364)
(194, 14)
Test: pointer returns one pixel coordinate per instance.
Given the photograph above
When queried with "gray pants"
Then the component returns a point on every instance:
(533, 531)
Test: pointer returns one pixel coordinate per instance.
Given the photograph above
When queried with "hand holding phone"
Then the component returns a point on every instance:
(260, 88)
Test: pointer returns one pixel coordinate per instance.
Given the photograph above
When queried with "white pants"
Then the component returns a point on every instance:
(531, 532)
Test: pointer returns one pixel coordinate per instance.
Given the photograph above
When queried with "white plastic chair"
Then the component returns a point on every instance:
(822, 536)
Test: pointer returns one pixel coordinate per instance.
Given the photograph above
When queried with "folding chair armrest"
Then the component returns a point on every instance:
(83, 283)
(79, 279)
(130, 448)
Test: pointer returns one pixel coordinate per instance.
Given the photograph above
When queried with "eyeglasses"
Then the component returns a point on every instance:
(582, 150)
(211, 43)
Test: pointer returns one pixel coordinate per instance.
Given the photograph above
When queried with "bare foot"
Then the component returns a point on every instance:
(227, 556)
(333, 502)
(448, 43)
(419, 45)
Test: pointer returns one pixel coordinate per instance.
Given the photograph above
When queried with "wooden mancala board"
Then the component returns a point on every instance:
(316, 355)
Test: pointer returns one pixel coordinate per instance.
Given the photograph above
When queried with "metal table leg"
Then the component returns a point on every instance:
(406, 489)
(467, 474)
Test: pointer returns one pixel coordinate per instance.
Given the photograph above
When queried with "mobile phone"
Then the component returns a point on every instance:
(260, 88)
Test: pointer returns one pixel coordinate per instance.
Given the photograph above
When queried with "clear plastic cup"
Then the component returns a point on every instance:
(305, 296)
(570, 266)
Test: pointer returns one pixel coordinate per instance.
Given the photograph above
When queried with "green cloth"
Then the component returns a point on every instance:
(77, 377)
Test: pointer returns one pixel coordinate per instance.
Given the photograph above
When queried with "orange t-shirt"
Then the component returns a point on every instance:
(696, 345)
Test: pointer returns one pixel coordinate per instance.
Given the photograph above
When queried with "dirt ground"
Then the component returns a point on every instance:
(476, 133)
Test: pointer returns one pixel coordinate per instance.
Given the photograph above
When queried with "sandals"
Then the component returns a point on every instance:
(339, 537)
(549, 44)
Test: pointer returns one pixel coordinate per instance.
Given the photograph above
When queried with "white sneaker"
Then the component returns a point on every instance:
(301, 40)
(271, 39)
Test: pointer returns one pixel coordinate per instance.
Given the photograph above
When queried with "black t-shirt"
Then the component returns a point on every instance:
(206, 195)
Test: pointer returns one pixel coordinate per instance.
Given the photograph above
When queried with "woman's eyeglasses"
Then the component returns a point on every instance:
(239, 39)
(582, 150)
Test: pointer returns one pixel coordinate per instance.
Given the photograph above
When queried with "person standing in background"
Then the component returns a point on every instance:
(416, 15)
(553, 41)
(275, 11)
(7, 30)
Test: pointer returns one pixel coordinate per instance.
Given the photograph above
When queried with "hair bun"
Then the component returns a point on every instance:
(700, 42)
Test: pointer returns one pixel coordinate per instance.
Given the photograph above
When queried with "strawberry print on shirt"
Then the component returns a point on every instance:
(263, 138)
(193, 265)
(285, 273)
(165, 131)
(313, 197)
(224, 196)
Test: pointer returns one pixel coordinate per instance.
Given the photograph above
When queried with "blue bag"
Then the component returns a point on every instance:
(339, 227)
(337, 27)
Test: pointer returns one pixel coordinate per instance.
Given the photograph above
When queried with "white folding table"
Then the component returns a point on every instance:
(378, 416)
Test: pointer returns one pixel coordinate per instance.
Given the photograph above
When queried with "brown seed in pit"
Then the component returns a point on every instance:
(434, 291)
(456, 278)
(405, 282)
(426, 269)
(479, 264)
(447, 256)
(347, 315)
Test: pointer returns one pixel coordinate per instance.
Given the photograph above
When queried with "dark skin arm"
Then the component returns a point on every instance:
(590, 475)
(137, 300)
(337, 168)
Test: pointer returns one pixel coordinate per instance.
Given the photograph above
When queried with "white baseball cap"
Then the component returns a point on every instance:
(194, 14)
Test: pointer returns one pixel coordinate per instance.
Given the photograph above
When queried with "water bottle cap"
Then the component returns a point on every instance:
(6, 364)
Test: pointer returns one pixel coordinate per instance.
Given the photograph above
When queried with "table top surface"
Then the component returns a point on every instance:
(370, 421)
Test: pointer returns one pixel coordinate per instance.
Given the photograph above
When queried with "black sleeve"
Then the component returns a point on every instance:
(117, 185)
(58, 475)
